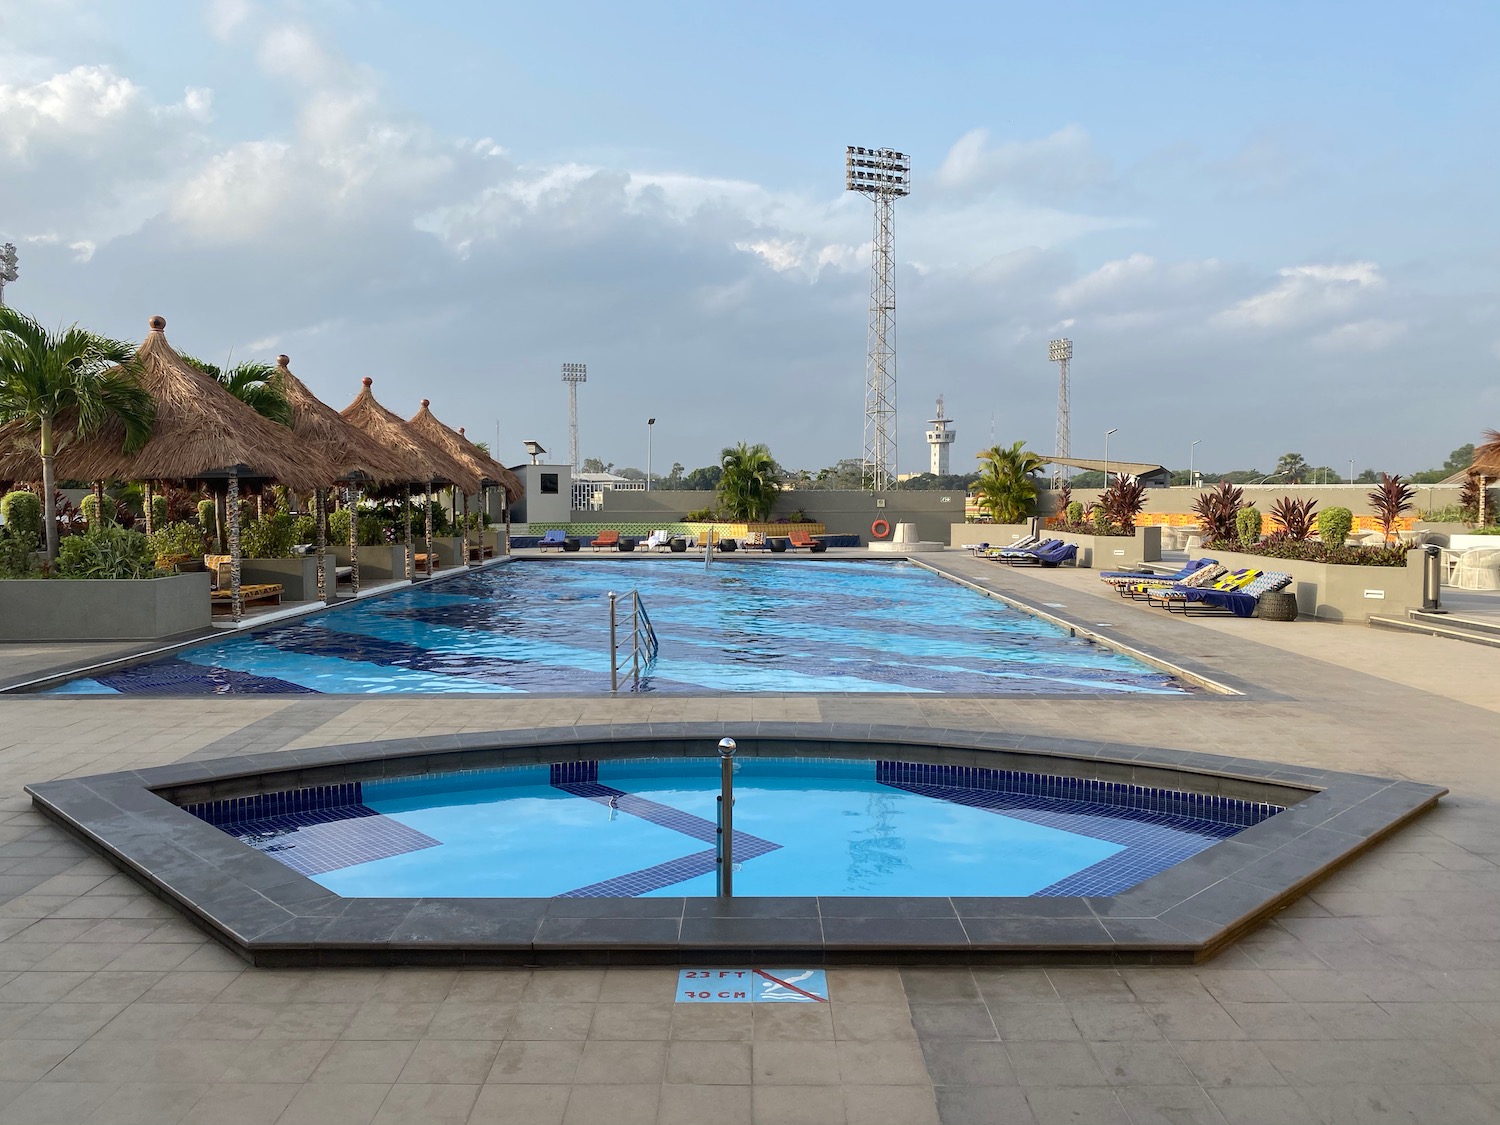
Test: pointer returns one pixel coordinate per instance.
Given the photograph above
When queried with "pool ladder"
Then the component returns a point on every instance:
(639, 652)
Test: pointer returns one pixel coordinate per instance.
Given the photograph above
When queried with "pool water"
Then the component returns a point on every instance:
(543, 626)
(802, 827)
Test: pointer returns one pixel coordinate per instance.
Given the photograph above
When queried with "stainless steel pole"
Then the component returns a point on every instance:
(614, 677)
(726, 817)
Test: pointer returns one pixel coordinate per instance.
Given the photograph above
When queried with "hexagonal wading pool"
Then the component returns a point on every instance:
(596, 846)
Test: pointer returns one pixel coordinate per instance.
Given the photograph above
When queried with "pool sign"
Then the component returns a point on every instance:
(752, 986)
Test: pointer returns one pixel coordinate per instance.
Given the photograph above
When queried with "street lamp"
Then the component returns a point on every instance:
(1351, 470)
(1192, 449)
(650, 430)
(1115, 430)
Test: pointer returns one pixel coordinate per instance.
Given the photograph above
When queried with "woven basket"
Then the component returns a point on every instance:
(1278, 605)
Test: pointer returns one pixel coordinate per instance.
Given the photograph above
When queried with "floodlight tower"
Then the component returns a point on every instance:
(573, 374)
(882, 175)
(1060, 352)
(7, 267)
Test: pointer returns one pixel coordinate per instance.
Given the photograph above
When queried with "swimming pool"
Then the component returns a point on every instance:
(646, 827)
(542, 626)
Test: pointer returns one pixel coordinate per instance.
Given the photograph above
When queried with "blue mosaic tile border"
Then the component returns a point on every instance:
(317, 841)
(238, 810)
(1116, 794)
(564, 773)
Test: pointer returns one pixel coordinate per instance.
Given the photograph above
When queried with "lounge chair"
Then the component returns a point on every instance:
(1126, 577)
(555, 538)
(1055, 555)
(606, 541)
(1168, 596)
(251, 593)
(754, 541)
(803, 539)
(658, 541)
(419, 561)
(1009, 552)
(1203, 577)
(1241, 602)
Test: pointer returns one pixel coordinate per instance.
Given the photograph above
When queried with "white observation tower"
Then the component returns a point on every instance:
(940, 438)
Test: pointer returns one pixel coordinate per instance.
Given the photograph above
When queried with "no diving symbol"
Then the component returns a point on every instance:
(752, 986)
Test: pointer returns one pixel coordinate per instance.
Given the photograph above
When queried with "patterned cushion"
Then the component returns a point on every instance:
(1267, 583)
(1207, 576)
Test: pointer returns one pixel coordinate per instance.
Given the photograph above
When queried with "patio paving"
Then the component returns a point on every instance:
(1375, 998)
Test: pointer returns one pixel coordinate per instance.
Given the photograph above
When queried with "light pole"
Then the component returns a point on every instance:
(1192, 450)
(1351, 470)
(1115, 430)
(650, 430)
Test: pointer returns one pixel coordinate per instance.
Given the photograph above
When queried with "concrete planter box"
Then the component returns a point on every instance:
(995, 534)
(387, 560)
(1114, 552)
(298, 576)
(144, 609)
(1339, 593)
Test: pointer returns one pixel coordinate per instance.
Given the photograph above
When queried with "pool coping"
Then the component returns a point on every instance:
(272, 916)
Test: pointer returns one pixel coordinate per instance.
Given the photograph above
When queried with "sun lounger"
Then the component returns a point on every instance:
(606, 541)
(1011, 552)
(554, 538)
(419, 562)
(803, 539)
(1126, 577)
(658, 541)
(251, 593)
(1177, 595)
(1241, 602)
(1203, 577)
(1020, 544)
(1055, 555)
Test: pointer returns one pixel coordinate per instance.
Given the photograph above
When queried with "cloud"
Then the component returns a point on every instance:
(1307, 294)
(1371, 335)
(1063, 163)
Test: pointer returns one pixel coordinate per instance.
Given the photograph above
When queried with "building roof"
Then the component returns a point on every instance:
(431, 464)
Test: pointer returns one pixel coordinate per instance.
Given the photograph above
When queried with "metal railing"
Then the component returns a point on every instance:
(639, 651)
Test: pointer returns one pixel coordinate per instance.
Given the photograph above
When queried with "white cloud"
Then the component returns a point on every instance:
(1307, 294)
(1063, 163)
(1371, 335)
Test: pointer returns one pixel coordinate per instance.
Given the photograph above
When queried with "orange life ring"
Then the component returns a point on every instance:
(880, 529)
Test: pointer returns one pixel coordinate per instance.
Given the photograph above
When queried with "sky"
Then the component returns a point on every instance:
(1266, 227)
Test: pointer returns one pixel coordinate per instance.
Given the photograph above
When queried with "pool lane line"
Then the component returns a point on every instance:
(1075, 629)
(793, 987)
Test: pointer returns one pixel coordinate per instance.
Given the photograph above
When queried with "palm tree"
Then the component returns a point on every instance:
(73, 375)
(254, 384)
(1006, 484)
(749, 483)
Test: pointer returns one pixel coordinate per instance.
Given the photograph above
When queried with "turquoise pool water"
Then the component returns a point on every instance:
(769, 626)
(802, 827)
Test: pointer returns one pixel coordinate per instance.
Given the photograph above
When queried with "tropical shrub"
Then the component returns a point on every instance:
(1122, 501)
(372, 529)
(1334, 525)
(1216, 510)
(749, 483)
(1310, 550)
(269, 538)
(1295, 517)
(1101, 520)
(1064, 496)
(158, 510)
(106, 552)
(304, 529)
(699, 515)
(90, 509)
(1247, 523)
(1390, 500)
(21, 513)
(1469, 495)
(182, 539)
(1073, 512)
(207, 515)
(1007, 482)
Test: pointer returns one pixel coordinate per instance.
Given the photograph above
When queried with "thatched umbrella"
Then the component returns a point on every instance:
(357, 456)
(453, 442)
(201, 432)
(435, 466)
(512, 487)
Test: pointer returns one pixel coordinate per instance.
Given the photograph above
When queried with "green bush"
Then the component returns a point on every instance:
(174, 540)
(1334, 525)
(15, 556)
(338, 527)
(1101, 520)
(21, 513)
(158, 510)
(699, 515)
(372, 529)
(106, 552)
(90, 509)
(206, 515)
(304, 529)
(269, 538)
(1074, 512)
(1247, 523)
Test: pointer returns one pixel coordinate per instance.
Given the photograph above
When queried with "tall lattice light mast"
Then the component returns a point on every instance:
(7, 267)
(1060, 352)
(573, 374)
(882, 175)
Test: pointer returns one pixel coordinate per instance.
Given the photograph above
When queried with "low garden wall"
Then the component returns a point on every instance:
(1338, 593)
(385, 560)
(101, 609)
(298, 576)
(1113, 552)
(995, 534)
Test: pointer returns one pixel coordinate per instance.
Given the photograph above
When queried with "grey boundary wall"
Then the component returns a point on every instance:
(842, 513)
(270, 915)
(104, 609)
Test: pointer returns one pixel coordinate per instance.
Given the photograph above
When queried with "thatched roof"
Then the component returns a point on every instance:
(1486, 460)
(202, 432)
(456, 445)
(433, 463)
(318, 426)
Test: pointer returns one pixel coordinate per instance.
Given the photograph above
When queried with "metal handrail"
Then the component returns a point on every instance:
(642, 640)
